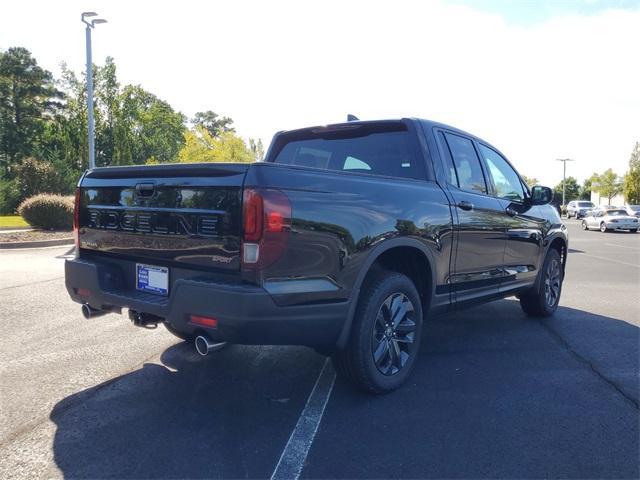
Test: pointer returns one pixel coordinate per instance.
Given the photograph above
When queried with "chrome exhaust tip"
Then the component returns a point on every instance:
(204, 345)
(89, 312)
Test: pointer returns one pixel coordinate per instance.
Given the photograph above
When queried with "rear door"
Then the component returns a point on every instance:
(480, 238)
(185, 216)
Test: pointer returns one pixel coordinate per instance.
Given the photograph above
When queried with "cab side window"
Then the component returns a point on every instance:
(467, 164)
(505, 180)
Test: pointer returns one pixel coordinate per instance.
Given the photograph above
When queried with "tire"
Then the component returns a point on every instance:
(635, 230)
(543, 300)
(373, 334)
(584, 225)
(183, 336)
(603, 227)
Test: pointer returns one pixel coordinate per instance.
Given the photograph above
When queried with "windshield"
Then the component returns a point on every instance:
(586, 204)
(616, 213)
(635, 208)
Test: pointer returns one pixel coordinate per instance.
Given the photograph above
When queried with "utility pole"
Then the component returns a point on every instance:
(91, 127)
(564, 175)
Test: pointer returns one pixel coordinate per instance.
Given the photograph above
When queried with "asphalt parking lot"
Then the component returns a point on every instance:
(494, 394)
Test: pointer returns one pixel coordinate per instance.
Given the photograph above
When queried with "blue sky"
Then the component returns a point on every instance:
(530, 12)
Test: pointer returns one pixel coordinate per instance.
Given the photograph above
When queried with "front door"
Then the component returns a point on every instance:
(524, 224)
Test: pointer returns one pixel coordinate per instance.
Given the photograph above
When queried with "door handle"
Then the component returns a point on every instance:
(464, 205)
(511, 212)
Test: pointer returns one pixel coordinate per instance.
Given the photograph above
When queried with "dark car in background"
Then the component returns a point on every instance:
(345, 239)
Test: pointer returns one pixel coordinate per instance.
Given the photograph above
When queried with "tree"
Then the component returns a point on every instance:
(201, 146)
(146, 127)
(587, 186)
(213, 123)
(572, 190)
(198, 146)
(231, 148)
(27, 96)
(632, 178)
(38, 176)
(608, 185)
(257, 149)
(531, 181)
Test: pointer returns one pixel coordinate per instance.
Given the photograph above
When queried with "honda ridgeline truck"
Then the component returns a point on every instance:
(347, 238)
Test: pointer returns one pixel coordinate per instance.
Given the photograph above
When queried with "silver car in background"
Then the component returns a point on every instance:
(579, 208)
(633, 210)
(610, 219)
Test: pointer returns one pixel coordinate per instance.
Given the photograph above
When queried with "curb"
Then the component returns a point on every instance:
(17, 229)
(37, 243)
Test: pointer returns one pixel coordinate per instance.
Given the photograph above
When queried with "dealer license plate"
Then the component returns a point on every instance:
(150, 278)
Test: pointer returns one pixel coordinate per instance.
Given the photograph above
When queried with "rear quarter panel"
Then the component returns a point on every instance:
(338, 220)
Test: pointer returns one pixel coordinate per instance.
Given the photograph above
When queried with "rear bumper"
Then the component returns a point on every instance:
(622, 226)
(246, 314)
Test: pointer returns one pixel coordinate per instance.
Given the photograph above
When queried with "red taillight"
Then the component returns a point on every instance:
(204, 321)
(76, 220)
(253, 213)
(267, 222)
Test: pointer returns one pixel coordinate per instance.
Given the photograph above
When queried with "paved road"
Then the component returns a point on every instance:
(494, 394)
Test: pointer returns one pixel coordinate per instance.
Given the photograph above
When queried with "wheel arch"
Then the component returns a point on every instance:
(416, 261)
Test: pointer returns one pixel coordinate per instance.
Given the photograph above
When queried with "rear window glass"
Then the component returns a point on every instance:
(380, 153)
(585, 204)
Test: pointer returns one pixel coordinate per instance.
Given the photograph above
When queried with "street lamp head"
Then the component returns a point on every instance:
(97, 21)
(88, 14)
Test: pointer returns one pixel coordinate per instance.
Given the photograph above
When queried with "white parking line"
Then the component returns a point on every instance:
(295, 452)
(621, 246)
(607, 259)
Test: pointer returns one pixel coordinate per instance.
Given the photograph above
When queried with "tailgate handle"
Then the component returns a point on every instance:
(145, 189)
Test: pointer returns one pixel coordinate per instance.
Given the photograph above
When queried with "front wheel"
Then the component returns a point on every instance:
(584, 225)
(603, 227)
(385, 335)
(543, 300)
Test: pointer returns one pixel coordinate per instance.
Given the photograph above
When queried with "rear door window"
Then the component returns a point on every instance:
(468, 171)
(388, 153)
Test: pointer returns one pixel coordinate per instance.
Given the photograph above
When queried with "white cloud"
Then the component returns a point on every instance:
(564, 88)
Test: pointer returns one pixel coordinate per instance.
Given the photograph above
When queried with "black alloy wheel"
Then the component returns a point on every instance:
(393, 334)
(552, 283)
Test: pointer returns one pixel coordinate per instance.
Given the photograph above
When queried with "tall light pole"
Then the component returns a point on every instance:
(564, 175)
(91, 130)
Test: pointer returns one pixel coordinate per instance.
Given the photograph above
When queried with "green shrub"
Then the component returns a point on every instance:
(48, 211)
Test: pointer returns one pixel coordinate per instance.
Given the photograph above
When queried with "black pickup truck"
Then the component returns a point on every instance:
(345, 239)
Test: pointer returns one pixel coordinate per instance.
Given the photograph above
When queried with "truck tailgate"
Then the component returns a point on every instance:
(186, 215)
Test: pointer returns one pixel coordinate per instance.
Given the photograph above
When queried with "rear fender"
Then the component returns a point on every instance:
(370, 260)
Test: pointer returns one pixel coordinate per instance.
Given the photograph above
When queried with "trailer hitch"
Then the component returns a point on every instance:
(144, 320)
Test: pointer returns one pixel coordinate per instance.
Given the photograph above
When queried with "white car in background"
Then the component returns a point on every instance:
(605, 219)
(579, 208)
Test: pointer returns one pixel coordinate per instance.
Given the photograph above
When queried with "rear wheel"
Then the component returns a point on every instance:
(385, 335)
(603, 227)
(543, 300)
(584, 225)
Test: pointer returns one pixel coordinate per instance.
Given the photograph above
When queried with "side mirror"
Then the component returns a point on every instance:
(541, 195)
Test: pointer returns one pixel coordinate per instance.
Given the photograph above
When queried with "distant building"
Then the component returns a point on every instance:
(617, 201)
